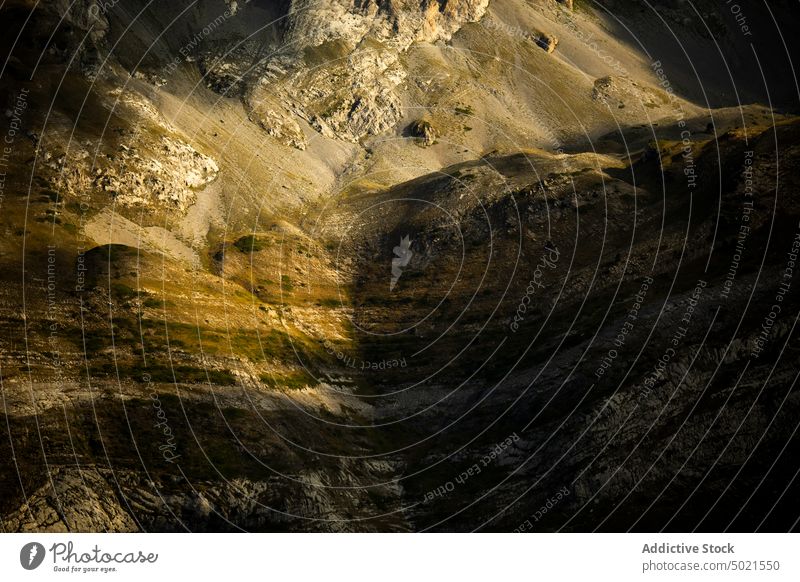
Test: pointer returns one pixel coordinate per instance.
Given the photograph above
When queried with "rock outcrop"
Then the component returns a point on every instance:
(395, 22)
(338, 67)
(548, 42)
(166, 173)
(423, 131)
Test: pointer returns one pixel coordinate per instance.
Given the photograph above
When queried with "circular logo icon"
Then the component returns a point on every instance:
(31, 555)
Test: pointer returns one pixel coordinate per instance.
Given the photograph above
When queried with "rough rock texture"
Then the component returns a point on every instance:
(344, 66)
(147, 164)
(619, 92)
(202, 343)
(548, 42)
(86, 15)
(397, 22)
(424, 131)
(354, 97)
(168, 176)
(85, 501)
(274, 117)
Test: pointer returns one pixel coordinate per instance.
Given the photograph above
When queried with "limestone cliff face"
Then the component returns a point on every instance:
(346, 63)
(337, 66)
(398, 22)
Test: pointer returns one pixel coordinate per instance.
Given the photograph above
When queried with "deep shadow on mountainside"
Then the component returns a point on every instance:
(399, 266)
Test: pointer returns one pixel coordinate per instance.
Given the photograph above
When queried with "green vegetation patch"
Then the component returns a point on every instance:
(292, 381)
(251, 244)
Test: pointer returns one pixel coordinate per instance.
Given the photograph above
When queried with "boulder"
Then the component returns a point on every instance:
(424, 131)
(548, 42)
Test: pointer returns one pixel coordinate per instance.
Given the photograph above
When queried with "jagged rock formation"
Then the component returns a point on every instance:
(142, 170)
(396, 22)
(252, 302)
(424, 131)
(344, 67)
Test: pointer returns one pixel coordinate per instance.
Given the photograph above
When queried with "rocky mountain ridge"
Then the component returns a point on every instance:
(206, 325)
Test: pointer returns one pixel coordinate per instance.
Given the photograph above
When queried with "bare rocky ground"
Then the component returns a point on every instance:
(211, 321)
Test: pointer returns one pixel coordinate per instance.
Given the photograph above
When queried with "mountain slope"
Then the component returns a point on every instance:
(303, 266)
